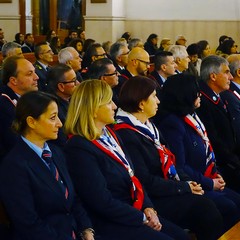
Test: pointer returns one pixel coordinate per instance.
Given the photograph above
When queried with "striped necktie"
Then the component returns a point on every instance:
(47, 157)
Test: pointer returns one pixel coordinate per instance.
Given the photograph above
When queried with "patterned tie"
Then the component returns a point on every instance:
(47, 157)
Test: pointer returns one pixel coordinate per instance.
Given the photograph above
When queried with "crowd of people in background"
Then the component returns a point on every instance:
(129, 139)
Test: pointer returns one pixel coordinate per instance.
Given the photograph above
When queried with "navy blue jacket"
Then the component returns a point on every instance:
(34, 200)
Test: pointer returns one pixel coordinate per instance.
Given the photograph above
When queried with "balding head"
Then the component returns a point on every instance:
(138, 61)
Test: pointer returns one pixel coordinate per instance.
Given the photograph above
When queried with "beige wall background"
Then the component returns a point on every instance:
(197, 20)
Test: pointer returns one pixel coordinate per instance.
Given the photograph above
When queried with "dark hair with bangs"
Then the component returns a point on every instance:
(135, 90)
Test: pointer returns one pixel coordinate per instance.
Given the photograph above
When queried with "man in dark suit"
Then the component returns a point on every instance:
(44, 56)
(215, 78)
(164, 66)
(138, 64)
(19, 77)
(119, 54)
(62, 83)
(28, 45)
(232, 96)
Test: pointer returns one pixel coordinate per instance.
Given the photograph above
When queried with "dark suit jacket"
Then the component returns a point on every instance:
(33, 198)
(234, 108)
(104, 186)
(220, 131)
(147, 166)
(42, 74)
(218, 124)
(7, 113)
(188, 148)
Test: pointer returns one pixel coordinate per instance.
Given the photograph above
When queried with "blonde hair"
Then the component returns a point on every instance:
(86, 99)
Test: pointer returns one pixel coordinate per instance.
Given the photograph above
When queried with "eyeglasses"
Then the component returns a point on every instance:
(111, 74)
(73, 81)
(147, 63)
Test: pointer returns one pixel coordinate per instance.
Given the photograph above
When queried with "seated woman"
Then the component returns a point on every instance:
(35, 186)
(188, 140)
(102, 171)
(153, 163)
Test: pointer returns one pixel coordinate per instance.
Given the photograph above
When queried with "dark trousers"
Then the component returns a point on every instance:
(193, 212)
(114, 231)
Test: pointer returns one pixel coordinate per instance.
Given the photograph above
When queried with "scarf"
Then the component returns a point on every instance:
(109, 144)
(197, 125)
(148, 130)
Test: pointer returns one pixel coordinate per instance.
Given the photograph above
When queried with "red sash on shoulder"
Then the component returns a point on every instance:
(167, 158)
(137, 190)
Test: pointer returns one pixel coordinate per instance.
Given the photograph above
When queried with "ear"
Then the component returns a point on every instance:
(238, 72)
(13, 81)
(94, 58)
(69, 63)
(141, 106)
(177, 60)
(163, 67)
(31, 122)
(60, 87)
(119, 58)
(212, 76)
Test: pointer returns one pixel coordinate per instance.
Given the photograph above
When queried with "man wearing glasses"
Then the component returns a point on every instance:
(138, 64)
(119, 54)
(44, 56)
(62, 82)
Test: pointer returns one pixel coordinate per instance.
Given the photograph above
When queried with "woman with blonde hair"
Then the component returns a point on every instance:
(103, 174)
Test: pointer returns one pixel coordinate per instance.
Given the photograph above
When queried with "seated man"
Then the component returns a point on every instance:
(44, 56)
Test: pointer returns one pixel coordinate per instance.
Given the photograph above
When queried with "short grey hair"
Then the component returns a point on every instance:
(178, 51)
(211, 64)
(65, 54)
(117, 49)
(9, 47)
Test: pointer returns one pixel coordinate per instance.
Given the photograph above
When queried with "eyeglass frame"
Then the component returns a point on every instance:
(147, 63)
(72, 81)
(111, 74)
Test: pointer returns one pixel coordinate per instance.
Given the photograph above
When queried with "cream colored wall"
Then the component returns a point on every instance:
(193, 30)
(205, 19)
(9, 19)
(197, 20)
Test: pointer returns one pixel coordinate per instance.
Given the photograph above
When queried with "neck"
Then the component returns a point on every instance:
(140, 116)
(35, 139)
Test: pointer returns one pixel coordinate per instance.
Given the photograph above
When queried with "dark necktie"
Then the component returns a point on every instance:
(47, 157)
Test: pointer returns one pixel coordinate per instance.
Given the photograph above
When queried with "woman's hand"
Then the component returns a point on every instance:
(196, 188)
(218, 183)
(152, 219)
(87, 234)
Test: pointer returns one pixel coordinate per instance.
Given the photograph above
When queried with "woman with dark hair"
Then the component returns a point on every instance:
(50, 34)
(103, 174)
(35, 186)
(77, 43)
(154, 163)
(151, 44)
(228, 47)
(188, 140)
(19, 38)
(55, 44)
(203, 49)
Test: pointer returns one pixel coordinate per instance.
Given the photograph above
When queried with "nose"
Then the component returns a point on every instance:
(35, 76)
(114, 107)
(59, 123)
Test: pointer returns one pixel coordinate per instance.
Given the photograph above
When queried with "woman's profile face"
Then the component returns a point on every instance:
(47, 125)
(105, 114)
(150, 106)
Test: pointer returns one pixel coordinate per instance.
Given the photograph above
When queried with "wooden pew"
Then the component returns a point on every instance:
(232, 234)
